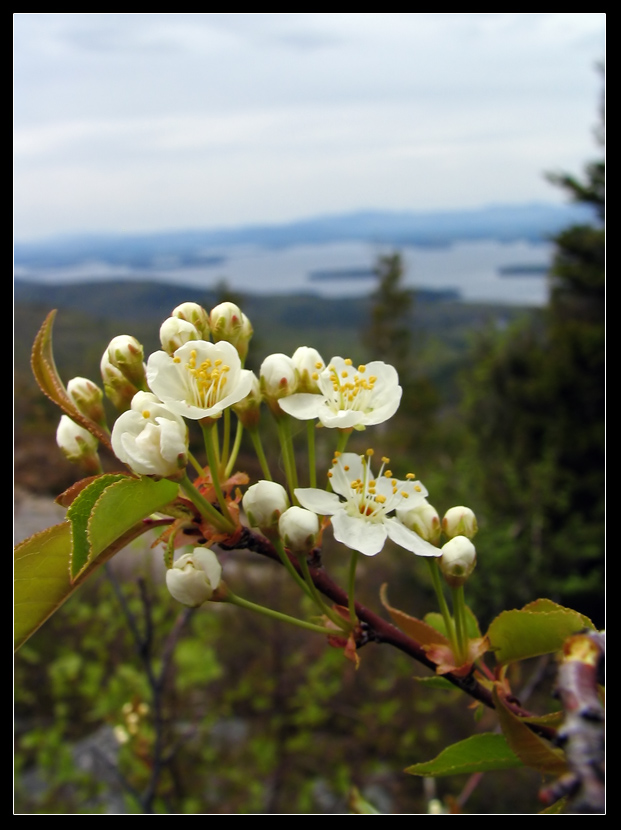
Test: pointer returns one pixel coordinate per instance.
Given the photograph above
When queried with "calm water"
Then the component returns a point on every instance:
(470, 268)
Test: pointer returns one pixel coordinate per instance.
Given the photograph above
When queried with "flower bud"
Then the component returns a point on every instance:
(278, 380)
(195, 314)
(423, 520)
(78, 445)
(150, 438)
(127, 355)
(264, 503)
(248, 410)
(460, 521)
(298, 529)
(88, 397)
(118, 389)
(174, 332)
(458, 560)
(194, 577)
(229, 323)
(308, 363)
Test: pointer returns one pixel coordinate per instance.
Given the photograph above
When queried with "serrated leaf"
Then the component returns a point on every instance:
(418, 630)
(532, 750)
(108, 508)
(539, 628)
(78, 515)
(46, 375)
(41, 575)
(479, 753)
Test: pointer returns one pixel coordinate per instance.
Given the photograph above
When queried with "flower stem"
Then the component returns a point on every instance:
(258, 448)
(235, 451)
(207, 510)
(195, 464)
(436, 579)
(316, 596)
(278, 545)
(459, 613)
(226, 442)
(210, 435)
(286, 445)
(276, 615)
(351, 588)
(312, 467)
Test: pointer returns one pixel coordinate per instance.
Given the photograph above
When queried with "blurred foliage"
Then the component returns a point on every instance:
(256, 717)
(534, 406)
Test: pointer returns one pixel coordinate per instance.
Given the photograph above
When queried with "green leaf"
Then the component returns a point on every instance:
(79, 514)
(109, 507)
(42, 577)
(540, 627)
(532, 750)
(479, 753)
(46, 374)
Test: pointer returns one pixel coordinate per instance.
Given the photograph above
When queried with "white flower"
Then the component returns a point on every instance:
(150, 438)
(194, 577)
(459, 557)
(298, 529)
(200, 380)
(264, 503)
(362, 521)
(349, 397)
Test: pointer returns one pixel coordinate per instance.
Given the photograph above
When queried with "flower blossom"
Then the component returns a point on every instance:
(361, 505)
(200, 380)
(349, 397)
(150, 438)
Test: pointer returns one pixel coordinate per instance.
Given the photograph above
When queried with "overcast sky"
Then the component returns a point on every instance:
(146, 122)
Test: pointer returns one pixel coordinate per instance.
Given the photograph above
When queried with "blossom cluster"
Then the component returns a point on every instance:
(199, 375)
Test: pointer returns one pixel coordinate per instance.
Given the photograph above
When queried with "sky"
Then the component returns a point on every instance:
(149, 122)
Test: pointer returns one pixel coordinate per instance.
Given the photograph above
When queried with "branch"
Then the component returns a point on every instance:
(376, 629)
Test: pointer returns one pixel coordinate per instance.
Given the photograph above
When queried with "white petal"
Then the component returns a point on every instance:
(319, 501)
(358, 534)
(406, 538)
(302, 405)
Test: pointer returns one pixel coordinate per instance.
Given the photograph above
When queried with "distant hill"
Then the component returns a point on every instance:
(504, 223)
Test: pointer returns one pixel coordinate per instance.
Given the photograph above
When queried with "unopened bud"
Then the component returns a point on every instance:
(299, 529)
(278, 380)
(88, 398)
(78, 445)
(264, 504)
(458, 560)
(195, 314)
(127, 355)
(174, 332)
(229, 323)
(308, 363)
(423, 520)
(460, 521)
(248, 410)
(195, 577)
(117, 387)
